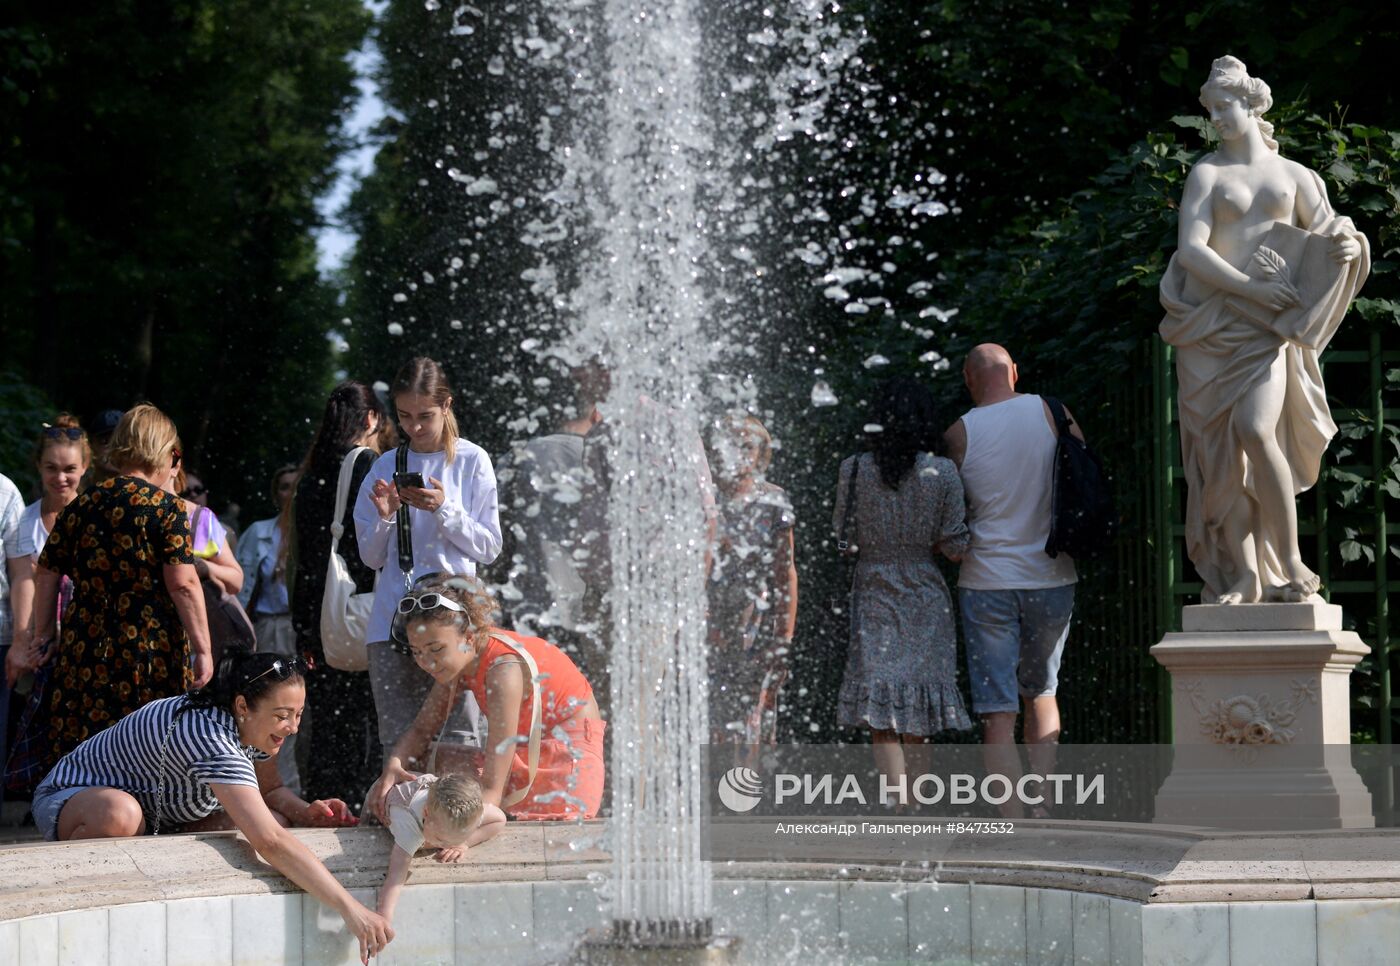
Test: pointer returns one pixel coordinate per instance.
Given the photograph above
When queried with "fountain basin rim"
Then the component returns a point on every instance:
(1148, 864)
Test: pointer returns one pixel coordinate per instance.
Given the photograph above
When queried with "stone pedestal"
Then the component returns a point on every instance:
(1261, 713)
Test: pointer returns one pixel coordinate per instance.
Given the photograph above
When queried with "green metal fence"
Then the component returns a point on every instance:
(1110, 687)
(1356, 382)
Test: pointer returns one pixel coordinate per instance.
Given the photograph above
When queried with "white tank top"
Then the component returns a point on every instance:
(1007, 475)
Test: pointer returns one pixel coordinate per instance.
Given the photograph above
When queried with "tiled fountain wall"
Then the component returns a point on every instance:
(781, 922)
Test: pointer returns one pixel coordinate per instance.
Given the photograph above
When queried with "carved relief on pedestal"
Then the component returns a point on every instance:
(1303, 691)
(1195, 691)
(1249, 720)
(1245, 720)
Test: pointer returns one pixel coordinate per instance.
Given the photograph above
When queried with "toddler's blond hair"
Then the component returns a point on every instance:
(456, 800)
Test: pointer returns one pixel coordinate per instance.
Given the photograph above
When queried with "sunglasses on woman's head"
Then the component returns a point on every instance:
(407, 605)
(194, 491)
(58, 432)
(283, 668)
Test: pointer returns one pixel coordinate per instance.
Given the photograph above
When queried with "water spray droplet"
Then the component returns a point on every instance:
(822, 394)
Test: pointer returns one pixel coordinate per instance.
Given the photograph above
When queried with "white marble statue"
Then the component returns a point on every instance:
(1262, 276)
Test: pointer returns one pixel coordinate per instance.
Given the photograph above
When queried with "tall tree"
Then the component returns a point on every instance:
(159, 201)
(451, 220)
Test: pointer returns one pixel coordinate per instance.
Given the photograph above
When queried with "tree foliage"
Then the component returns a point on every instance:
(984, 170)
(445, 264)
(156, 207)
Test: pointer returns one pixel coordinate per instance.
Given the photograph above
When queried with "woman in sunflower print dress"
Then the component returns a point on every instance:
(136, 629)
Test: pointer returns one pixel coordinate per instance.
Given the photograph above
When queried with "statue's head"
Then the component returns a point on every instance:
(1229, 75)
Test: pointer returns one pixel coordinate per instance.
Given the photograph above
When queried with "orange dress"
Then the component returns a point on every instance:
(569, 775)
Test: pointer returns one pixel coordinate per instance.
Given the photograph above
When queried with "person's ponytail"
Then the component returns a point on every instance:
(218, 693)
(450, 433)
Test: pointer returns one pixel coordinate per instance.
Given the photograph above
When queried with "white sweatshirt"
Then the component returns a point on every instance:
(465, 531)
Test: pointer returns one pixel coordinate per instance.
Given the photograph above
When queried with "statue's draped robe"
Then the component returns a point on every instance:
(1221, 355)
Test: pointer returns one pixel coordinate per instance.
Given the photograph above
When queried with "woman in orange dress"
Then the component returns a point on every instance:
(544, 735)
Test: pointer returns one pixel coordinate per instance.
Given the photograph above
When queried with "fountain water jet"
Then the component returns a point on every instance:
(645, 309)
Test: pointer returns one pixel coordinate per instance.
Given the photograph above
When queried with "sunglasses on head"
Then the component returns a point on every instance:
(194, 491)
(58, 432)
(407, 605)
(283, 668)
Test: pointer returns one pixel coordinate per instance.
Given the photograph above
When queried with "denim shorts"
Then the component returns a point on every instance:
(48, 803)
(1015, 639)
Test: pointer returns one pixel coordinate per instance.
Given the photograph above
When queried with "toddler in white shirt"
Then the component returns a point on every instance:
(444, 813)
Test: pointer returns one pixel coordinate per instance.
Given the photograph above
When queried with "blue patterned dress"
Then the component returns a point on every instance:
(901, 669)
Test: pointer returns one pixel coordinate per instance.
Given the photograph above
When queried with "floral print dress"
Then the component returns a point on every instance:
(123, 645)
(902, 667)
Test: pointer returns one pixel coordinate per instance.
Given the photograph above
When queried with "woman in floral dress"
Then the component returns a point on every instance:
(901, 670)
(136, 629)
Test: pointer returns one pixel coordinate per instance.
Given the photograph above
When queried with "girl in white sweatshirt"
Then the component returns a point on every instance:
(453, 521)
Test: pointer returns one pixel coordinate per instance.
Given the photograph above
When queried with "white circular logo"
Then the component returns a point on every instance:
(740, 789)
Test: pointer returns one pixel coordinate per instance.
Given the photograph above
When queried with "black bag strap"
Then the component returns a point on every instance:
(257, 592)
(1057, 410)
(405, 529)
(841, 542)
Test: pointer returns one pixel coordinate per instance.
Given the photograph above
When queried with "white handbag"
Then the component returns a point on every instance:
(344, 613)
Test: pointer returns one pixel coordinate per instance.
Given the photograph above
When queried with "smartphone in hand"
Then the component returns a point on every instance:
(412, 479)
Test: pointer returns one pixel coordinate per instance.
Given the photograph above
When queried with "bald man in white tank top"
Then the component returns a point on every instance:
(1016, 600)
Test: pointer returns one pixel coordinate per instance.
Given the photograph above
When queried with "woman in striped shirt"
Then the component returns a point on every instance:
(174, 763)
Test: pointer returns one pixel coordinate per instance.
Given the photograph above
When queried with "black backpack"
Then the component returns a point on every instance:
(1082, 519)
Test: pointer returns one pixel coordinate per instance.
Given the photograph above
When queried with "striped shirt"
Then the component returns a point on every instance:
(203, 750)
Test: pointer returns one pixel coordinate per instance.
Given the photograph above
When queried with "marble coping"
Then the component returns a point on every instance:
(1312, 616)
(1146, 864)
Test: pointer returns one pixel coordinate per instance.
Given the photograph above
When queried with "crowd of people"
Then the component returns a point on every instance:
(343, 657)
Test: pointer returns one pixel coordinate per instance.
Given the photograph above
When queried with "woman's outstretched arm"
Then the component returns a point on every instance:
(285, 852)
